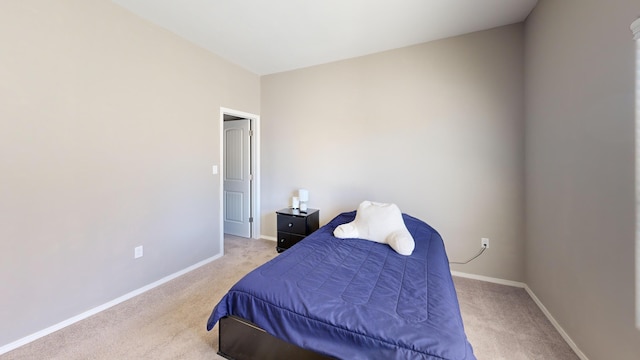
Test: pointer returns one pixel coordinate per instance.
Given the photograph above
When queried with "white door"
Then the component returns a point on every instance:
(237, 178)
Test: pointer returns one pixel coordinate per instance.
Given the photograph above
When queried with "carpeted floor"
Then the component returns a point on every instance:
(504, 323)
(168, 322)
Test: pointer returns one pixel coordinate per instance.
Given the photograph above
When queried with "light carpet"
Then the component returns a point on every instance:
(169, 321)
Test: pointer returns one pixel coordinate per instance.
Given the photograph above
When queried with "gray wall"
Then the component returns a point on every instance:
(580, 170)
(436, 128)
(108, 130)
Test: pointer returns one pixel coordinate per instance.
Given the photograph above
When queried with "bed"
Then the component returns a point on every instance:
(327, 297)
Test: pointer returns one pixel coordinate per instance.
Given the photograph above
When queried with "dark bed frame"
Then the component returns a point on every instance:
(239, 339)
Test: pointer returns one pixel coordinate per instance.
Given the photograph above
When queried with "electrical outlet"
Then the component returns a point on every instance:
(137, 252)
(484, 242)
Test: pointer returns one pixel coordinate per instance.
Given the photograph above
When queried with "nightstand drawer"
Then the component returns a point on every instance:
(292, 224)
(286, 240)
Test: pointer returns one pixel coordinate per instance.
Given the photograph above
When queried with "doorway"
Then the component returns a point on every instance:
(239, 170)
(237, 176)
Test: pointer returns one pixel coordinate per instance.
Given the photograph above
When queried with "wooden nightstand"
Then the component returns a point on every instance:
(294, 226)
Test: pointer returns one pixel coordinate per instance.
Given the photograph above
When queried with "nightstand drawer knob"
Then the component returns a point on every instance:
(290, 225)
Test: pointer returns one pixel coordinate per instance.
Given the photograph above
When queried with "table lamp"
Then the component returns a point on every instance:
(303, 196)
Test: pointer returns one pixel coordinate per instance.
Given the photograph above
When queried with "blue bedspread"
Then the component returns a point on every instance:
(356, 299)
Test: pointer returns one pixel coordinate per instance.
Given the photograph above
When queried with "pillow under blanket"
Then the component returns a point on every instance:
(381, 223)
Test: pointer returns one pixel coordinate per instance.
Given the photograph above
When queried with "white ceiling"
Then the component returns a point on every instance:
(270, 36)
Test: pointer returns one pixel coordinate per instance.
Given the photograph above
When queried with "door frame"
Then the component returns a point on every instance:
(254, 120)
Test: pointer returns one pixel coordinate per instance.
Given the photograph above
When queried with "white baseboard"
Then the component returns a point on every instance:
(546, 312)
(267, 237)
(37, 335)
(556, 325)
(489, 279)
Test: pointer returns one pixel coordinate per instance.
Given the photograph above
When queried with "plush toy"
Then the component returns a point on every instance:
(381, 223)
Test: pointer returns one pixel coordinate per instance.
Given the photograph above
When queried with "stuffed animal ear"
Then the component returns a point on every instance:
(381, 223)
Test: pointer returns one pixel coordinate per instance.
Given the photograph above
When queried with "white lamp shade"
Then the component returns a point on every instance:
(303, 195)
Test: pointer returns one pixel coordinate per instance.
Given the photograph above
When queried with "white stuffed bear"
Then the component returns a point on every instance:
(381, 223)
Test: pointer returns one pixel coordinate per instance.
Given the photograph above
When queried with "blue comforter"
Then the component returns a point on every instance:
(356, 299)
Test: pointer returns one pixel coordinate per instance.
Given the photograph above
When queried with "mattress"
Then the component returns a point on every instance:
(356, 299)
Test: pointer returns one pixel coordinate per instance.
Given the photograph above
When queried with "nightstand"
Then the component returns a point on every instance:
(294, 225)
